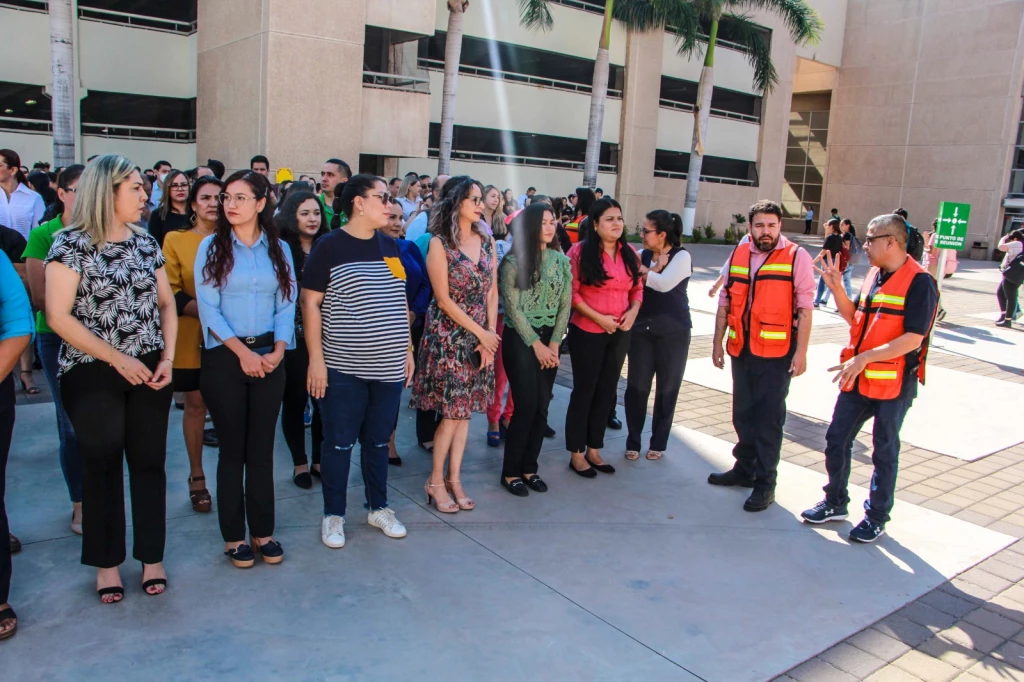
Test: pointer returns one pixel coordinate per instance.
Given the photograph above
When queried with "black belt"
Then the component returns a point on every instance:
(261, 341)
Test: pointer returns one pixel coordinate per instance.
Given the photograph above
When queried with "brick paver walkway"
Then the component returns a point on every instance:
(971, 628)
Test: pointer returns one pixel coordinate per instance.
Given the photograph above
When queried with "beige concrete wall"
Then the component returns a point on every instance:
(410, 16)
(926, 109)
(257, 92)
(639, 125)
(395, 122)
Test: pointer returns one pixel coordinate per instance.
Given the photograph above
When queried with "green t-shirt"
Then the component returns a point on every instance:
(329, 212)
(39, 241)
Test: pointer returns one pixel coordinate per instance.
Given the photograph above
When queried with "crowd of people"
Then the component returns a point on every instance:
(321, 302)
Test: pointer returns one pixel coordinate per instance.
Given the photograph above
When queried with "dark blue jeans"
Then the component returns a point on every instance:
(70, 459)
(851, 411)
(356, 410)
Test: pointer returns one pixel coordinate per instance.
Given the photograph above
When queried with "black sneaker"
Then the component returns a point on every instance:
(867, 531)
(823, 512)
(759, 500)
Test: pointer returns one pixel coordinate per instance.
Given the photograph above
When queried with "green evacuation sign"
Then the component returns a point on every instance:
(952, 229)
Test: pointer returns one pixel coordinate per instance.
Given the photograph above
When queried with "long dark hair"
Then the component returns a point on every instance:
(65, 179)
(668, 223)
(527, 244)
(585, 199)
(193, 193)
(11, 158)
(287, 217)
(444, 217)
(592, 272)
(853, 230)
(165, 199)
(221, 258)
(345, 193)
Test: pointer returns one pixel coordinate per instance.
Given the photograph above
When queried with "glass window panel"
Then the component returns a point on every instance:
(813, 176)
(812, 193)
(789, 194)
(794, 174)
(791, 209)
(796, 157)
(1017, 182)
(819, 120)
(816, 157)
(820, 137)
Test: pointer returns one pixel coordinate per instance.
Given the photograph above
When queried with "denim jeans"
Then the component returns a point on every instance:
(851, 411)
(824, 293)
(70, 459)
(356, 410)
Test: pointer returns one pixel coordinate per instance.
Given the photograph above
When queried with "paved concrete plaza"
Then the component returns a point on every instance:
(649, 574)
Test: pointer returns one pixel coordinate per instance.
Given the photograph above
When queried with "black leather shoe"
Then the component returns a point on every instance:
(731, 478)
(603, 468)
(549, 432)
(614, 423)
(759, 500)
(585, 473)
(303, 480)
(16, 543)
(515, 486)
(210, 438)
(535, 483)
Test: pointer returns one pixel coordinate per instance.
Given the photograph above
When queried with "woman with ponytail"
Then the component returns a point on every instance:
(247, 317)
(661, 333)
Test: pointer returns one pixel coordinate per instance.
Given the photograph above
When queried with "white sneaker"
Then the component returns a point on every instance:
(386, 521)
(332, 531)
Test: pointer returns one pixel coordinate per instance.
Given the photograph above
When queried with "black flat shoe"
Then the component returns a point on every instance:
(210, 438)
(241, 556)
(315, 473)
(614, 423)
(585, 473)
(549, 432)
(303, 479)
(603, 468)
(395, 461)
(15, 544)
(515, 486)
(536, 484)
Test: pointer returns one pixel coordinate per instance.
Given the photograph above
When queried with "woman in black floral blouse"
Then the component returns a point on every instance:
(108, 297)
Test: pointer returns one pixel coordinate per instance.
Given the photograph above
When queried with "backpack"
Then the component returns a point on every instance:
(915, 243)
(856, 250)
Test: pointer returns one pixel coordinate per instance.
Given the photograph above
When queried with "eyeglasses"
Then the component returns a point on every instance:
(71, 189)
(239, 199)
(179, 185)
(868, 240)
(383, 196)
(645, 231)
(476, 200)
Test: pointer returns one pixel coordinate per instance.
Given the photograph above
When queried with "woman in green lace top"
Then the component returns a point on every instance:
(535, 282)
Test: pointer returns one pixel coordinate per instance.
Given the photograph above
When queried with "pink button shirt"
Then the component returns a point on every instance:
(611, 298)
(803, 275)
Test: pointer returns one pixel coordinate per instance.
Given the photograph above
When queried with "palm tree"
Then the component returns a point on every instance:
(62, 64)
(452, 56)
(804, 27)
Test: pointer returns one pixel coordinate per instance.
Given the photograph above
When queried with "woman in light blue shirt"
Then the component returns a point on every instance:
(245, 291)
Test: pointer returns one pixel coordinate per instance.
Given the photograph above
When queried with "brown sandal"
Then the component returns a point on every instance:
(201, 500)
(654, 454)
(632, 455)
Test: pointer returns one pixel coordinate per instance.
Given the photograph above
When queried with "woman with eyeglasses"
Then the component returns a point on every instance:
(301, 224)
(456, 356)
(40, 239)
(607, 292)
(172, 213)
(108, 297)
(409, 195)
(245, 288)
(660, 339)
(180, 249)
(360, 354)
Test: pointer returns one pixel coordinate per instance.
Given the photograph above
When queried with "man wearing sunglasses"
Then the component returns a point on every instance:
(881, 367)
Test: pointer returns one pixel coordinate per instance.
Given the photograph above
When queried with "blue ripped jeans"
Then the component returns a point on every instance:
(356, 410)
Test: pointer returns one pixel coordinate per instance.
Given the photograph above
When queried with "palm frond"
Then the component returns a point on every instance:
(751, 36)
(801, 20)
(682, 18)
(535, 14)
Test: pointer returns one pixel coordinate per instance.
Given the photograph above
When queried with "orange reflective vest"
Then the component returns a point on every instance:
(877, 322)
(573, 230)
(766, 327)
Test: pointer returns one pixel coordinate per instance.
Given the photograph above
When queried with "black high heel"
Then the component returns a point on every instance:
(154, 582)
(103, 592)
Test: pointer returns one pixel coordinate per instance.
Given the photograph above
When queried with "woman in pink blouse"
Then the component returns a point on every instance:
(606, 295)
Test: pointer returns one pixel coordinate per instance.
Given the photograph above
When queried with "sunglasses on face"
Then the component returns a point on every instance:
(868, 240)
(476, 200)
(383, 196)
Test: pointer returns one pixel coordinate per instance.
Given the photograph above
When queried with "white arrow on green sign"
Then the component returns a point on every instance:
(952, 228)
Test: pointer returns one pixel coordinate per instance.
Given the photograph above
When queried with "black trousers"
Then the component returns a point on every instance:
(1006, 294)
(427, 421)
(296, 362)
(759, 390)
(6, 429)
(115, 422)
(807, 226)
(531, 385)
(596, 363)
(244, 411)
(655, 351)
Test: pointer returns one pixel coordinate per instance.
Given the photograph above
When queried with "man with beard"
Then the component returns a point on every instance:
(765, 309)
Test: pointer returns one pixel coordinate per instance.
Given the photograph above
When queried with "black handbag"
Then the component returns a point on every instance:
(1013, 272)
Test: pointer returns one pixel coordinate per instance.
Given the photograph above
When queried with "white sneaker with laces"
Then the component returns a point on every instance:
(386, 521)
(332, 531)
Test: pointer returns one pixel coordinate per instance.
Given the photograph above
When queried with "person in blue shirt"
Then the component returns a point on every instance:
(16, 331)
(246, 292)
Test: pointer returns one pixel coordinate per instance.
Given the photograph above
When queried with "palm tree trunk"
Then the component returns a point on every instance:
(62, 64)
(452, 56)
(598, 97)
(700, 131)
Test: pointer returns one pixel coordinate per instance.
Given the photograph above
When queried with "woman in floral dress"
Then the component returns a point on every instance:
(456, 356)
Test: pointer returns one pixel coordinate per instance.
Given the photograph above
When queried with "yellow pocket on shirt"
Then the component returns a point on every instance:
(395, 266)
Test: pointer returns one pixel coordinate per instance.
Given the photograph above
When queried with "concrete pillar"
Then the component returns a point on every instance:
(638, 137)
(280, 78)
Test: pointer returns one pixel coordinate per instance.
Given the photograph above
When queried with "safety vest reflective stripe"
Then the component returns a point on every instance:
(880, 374)
(738, 270)
(888, 299)
(773, 335)
(732, 333)
(777, 267)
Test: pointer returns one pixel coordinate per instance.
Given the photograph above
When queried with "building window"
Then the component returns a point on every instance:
(509, 147)
(1016, 189)
(492, 59)
(806, 159)
(24, 108)
(668, 164)
(114, 114)
(682, 94)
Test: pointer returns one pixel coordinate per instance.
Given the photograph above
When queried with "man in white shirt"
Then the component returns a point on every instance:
(417, 227)
(21, 208)
(529, 195)
(162, 168)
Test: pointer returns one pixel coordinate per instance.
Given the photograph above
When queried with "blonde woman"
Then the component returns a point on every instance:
(108, 297)
(494, 212)
(409, 195)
